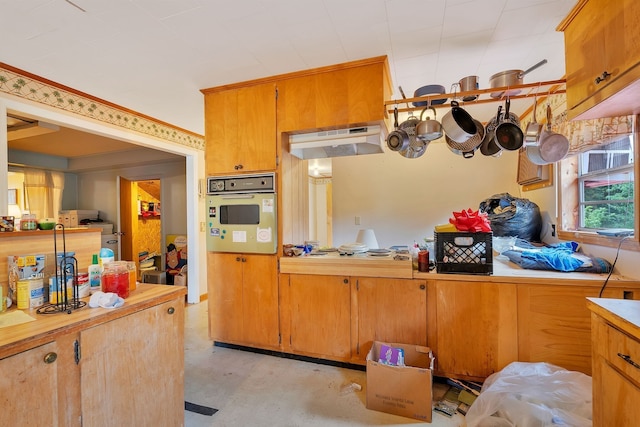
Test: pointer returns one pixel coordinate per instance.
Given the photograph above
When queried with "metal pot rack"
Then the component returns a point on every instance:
(541, 89)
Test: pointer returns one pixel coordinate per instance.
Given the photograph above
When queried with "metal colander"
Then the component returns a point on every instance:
(417, 147)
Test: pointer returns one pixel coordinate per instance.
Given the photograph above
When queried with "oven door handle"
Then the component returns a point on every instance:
(238, 196)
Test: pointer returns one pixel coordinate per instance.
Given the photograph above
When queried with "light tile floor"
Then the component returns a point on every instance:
(250, 389)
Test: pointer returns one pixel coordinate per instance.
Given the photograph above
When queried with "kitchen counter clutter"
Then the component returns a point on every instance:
(76, 369)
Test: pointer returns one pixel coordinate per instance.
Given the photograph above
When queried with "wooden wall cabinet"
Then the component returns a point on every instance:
(240, 129)
(129, 370)
(476, 332)
(350, 94)
(602, 58)
(243, 299)
(388, 310)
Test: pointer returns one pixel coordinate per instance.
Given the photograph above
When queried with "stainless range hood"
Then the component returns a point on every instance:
(353, 141)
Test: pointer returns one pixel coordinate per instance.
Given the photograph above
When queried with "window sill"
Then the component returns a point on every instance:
(630, 244)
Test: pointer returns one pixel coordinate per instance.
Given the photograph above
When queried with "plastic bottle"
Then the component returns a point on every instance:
(95, 271)
(106, 256)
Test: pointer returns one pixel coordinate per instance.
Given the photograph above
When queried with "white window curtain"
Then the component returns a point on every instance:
(43, 191)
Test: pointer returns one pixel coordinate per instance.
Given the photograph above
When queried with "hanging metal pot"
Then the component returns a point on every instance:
(468, 148)
(429, 129)
(489, 146)
(458, 124)
(398, 139)
(553, 146)
(508, 134)
(532, 134)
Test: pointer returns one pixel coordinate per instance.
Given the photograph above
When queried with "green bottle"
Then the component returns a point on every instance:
(95, 274)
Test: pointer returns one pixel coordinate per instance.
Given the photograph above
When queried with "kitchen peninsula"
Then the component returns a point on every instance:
(475, 324)
(97, 366)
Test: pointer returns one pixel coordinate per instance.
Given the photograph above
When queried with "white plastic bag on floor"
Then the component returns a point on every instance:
(533, 395)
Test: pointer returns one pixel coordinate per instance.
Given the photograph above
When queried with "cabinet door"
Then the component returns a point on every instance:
(240, 130)
(320, 316)
(476, 332)
(29, 388)
(615, 398)
(224, 276)
(132, 369)
(389, 310)
(554, 324)
(260, 300)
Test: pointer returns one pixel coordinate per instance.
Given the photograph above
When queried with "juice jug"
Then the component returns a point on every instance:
(115, 278)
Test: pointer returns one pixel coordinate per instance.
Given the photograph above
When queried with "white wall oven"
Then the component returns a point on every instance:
(241, 214)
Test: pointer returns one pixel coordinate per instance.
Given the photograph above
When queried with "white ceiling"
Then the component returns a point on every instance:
(154, 56)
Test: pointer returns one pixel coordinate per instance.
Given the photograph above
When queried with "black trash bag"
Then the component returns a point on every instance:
(512, 216)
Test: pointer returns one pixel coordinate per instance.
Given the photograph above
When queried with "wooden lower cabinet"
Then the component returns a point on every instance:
(554, 324)
(389, 310)
(319, 316)
(127, 371)
(476, 331)
(243, 299)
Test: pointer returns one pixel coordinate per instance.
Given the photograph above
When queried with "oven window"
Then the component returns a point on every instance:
(240, 214)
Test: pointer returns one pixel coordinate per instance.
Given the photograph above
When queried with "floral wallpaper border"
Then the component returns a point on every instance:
(14, 83)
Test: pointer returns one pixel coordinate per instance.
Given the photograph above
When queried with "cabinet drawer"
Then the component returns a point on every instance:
(623, 353)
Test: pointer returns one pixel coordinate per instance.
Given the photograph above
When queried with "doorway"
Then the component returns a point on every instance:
(140, 223)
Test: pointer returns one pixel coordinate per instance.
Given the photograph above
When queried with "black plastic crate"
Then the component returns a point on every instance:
(464, 253)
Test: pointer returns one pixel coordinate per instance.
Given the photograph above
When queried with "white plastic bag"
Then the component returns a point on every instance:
(533, 395)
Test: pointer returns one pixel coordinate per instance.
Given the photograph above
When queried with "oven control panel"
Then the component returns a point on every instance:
(259, 183)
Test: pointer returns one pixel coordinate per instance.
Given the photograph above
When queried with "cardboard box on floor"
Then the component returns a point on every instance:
(401, 390)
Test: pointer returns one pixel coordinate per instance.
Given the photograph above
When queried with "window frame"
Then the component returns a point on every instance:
(568, 202)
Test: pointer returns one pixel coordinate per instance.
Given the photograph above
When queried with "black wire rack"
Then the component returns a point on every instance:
(66, 269)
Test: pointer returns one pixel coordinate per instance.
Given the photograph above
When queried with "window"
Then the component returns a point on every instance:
(606, 186)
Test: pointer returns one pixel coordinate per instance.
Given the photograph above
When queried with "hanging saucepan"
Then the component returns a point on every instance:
(553, 146)
(532, 133)
(510, 78)
(429, 90)
(429, 129)
(398, 139)
(489, 146)
(508, 134)
(458, 124)
(468, 148)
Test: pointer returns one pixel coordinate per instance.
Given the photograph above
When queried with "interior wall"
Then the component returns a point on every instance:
(404, 199)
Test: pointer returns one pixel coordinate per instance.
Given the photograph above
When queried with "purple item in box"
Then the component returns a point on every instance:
(391, 356)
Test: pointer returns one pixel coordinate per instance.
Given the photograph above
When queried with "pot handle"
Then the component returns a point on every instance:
(528, 70)
(454, 104)
(548, 118)
(468, 154)
(395, 117)
(428, 108)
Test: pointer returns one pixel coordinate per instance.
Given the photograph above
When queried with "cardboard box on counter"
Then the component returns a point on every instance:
(401, 390)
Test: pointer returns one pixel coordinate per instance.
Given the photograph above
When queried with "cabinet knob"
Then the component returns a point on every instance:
(345, 281)
(50, 357)
(423, 287)
(602, 77)
(244, 259)
(171, 310)
(238, 259)
(237, 167)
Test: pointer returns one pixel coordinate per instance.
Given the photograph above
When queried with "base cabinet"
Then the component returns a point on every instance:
(125, 370)
(319, 316)
(388, 310)
(243, 299)
(122, 371)
(476, 332)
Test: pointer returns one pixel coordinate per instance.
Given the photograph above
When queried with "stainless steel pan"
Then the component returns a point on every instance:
(510, 78)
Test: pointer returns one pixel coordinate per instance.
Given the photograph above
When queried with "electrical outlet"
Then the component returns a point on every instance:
(357, 220)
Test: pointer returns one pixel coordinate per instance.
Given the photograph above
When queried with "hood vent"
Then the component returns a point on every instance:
(354, 141)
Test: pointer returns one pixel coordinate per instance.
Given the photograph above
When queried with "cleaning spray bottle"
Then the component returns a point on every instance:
(95, 272)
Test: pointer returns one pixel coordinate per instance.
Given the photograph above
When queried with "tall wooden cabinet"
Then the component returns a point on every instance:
(602, 58)
(240, 129)
(243, 299)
